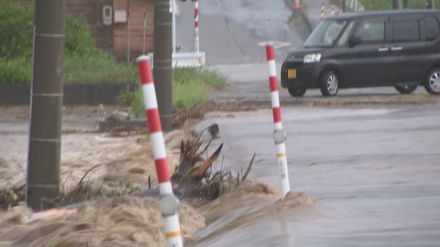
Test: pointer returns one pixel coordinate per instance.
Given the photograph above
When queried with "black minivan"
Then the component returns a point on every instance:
(394, 48)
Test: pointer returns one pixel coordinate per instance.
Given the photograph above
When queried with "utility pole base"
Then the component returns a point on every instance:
(41, 195)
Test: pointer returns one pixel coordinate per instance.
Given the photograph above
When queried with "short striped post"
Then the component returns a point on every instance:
(322, 10)
(196, 26)
(168, 200)
(279, 135)
(333, 10)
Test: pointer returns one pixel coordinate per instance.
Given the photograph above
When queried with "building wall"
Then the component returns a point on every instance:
(91, 11)
(121, 44)
(115, 37)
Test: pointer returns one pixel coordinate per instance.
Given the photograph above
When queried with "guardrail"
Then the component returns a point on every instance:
(185, 59)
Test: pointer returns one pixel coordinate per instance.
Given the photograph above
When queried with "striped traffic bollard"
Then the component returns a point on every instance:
(322, 9)
(279, 134)
(196, 26)
(297, 5)
(169, 204)
(333, 10)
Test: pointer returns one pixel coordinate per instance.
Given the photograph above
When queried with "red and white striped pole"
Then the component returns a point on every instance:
(196, 26)
(297, 5)
(322, 9)
(169, 204)
(279, 135)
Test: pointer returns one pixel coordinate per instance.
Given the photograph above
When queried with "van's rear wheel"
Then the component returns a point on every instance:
(329, 83)
(296, 91)
(432, 83)
(406, 89)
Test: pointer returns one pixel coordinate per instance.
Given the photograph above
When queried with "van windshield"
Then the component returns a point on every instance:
(325, 34)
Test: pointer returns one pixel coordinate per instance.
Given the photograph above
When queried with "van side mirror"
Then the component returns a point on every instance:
(353, 41)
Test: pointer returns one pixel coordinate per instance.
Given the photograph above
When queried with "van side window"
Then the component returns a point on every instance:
(344, 37)
(406, 30)
(371, 31)
(432, 28)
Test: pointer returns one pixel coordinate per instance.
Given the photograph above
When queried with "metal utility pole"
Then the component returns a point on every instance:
(174, 9)
(128, 32)
(163, 60)
(429, 4)
(344, 6)
(405, 4)
(46, 103)
(396, 4)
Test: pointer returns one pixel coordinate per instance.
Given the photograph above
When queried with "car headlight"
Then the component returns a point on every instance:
(312, 58)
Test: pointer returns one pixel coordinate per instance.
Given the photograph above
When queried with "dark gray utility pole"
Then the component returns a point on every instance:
(405, 4)
(162, 61)
(429, 4)
(344, 6)
(396, 4)
(46, 104)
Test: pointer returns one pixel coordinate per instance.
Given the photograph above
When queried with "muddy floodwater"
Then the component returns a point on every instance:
(374, 172)
(370, 177)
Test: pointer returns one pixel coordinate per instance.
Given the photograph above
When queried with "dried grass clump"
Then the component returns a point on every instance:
(122, 221)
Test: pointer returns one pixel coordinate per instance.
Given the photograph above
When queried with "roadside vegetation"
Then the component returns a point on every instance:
(84, 63)
(387, 4)
(190, 87)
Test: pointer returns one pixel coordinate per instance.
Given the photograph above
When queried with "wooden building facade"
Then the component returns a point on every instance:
(123, 27)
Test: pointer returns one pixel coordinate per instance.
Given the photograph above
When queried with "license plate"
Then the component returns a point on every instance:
(291, 73)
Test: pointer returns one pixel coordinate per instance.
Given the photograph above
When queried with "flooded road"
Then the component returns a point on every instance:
(374, 172)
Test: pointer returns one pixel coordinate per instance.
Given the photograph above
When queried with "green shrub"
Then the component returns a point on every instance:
(79, 40)
(16, 30)
(99, 67)
(190, 87)
(15, 71)
(137, 104)
(83, 62)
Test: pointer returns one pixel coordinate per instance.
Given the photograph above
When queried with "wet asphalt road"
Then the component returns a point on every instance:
(374, 172)
(231, 30)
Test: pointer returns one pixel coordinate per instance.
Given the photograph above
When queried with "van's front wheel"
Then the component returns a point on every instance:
(296, 91)
(329, 83)
(405, 89)
(432, 82)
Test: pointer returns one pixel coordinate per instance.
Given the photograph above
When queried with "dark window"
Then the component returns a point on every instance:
(406, 30)
(371, 31)
(432, 28)
(344, 37)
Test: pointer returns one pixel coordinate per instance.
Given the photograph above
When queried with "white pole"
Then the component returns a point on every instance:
(279, 135)
(169, 203)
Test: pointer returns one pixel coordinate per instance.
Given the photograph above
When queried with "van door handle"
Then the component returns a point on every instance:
(383, 49)
(396, 48)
